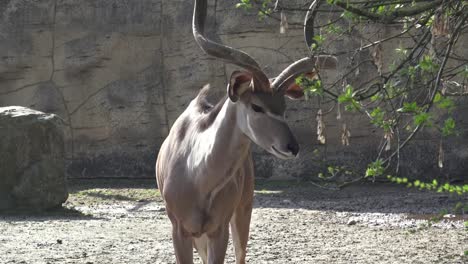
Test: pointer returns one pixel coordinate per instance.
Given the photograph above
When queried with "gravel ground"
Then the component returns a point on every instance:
(125, 222)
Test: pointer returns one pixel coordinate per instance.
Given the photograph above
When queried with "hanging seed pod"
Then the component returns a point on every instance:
(283, 23)
(344, 84)
(441, 156)
(388, 138)
(345, 134)
(320, 127)
(338, 111)
(276, 5)
(440, 24)
(377, 57)
(444, 88)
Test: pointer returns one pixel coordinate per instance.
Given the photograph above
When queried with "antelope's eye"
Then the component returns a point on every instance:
(257, 108)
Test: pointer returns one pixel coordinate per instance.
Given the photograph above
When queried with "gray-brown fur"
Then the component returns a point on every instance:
(209, 111)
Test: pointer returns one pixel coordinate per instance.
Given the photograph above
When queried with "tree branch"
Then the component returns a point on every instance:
(409, 11)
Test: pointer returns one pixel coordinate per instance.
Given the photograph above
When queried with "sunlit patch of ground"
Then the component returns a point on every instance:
(124, 221)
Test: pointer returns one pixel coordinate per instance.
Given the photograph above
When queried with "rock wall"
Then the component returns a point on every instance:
(119, 72)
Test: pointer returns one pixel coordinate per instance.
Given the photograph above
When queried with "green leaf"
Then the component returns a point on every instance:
(376, 97)
(348, 97)
(449, 127)
(377, 113)
(409, 107)
(381, 10)
(422, 118)
(465, 72)
(445, 103)
(345, 97)
(411, 71)
(446, 186)
(378, 117)
(375, 169)
(333, 29)
(319, 39)
(311, 87)
(245, 4)
(427, 64)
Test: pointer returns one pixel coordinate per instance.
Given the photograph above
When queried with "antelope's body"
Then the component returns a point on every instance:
(203, 186)
(204, 168)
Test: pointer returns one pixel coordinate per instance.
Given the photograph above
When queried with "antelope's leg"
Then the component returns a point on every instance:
(182, 242)
(240, 221)
(217, 244)
(201, 244)
(240, 231)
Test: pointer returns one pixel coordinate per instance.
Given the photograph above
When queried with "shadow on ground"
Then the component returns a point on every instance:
(360, 197)
(61, 213)
(77, 185)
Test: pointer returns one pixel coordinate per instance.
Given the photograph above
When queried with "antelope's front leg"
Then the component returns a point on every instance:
(217, 244)
(240, 231)
(240, 223)
(182, 242)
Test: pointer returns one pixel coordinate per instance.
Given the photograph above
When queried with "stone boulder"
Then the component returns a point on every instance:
(32, 162)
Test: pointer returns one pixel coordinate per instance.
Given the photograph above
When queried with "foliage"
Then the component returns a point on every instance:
(416, 84)
(431, 186)
(375, 169)
(245, 4)
(312, 87)
(348, 99)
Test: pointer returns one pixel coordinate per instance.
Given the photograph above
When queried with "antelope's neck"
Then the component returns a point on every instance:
(220, 149)
(230, 144)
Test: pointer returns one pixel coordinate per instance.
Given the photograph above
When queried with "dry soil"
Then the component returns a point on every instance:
(294, 222)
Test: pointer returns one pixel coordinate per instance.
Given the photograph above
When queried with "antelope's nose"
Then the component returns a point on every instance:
(293, 147)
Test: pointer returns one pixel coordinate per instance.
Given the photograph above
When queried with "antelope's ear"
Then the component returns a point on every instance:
(238, 84)
(294, 91)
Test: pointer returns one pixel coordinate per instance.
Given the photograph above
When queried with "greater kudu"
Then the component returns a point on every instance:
(204, 168)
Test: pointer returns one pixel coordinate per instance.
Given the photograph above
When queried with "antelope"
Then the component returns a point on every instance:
(204, 168)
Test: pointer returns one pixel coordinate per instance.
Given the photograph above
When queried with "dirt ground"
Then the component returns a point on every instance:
(117, 221)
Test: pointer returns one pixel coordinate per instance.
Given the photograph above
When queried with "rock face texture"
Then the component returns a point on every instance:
(119, 72)
(32, 164)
